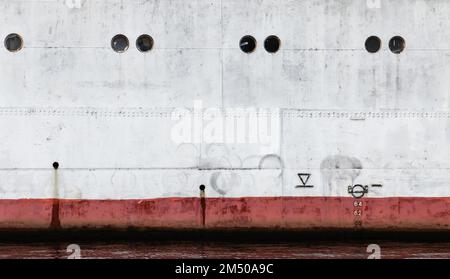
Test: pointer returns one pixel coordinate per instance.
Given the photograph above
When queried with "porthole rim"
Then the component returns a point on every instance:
(120, 51)
(21, 42)
(254, 40)
(404, 44)
(279, 43)
(379, 40)
(145, 35)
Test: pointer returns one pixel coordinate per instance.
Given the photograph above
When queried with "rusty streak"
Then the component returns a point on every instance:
(55, 223)
(203, 204)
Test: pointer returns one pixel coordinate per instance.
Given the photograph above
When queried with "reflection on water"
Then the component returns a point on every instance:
(220, 250)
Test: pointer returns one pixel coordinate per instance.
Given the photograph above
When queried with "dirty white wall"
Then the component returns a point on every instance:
(105, 117)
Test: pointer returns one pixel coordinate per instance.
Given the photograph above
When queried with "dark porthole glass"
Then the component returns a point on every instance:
(13, 42)
(247, 44)
(272, 44)
(120, 43)
(144, 43)
(373, 44)
(397, 44)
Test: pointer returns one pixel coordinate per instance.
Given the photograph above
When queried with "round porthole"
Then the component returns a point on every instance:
(144, 43)
(272, 44)
(397, 44)
(373, 44)
(247, 44)
(13, 42)
(120, 43)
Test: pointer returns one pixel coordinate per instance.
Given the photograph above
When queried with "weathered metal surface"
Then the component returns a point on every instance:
(278, 213)
(135, 134)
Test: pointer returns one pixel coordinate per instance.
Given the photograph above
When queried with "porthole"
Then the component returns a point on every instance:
(120, 43)
(397, 44)
(144, 43)
(373, 44)
(247, 44)
(272, 44)
(13, 42)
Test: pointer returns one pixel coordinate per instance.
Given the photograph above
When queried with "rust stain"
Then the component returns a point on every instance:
(55, 223)
(203, 204)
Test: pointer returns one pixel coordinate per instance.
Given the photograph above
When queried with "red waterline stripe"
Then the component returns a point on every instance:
(223, 213)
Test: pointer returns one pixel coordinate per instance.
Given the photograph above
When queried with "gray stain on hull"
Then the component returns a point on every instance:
(338, 171)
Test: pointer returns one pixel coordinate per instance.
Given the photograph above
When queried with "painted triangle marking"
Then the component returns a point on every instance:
(304, 178)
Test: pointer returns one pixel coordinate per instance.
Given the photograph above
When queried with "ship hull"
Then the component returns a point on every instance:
(268, 213)
(197, 133)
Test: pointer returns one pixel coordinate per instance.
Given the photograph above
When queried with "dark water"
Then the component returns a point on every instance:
(219, 250)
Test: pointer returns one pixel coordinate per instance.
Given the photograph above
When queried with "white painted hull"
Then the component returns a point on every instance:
(342, 117)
